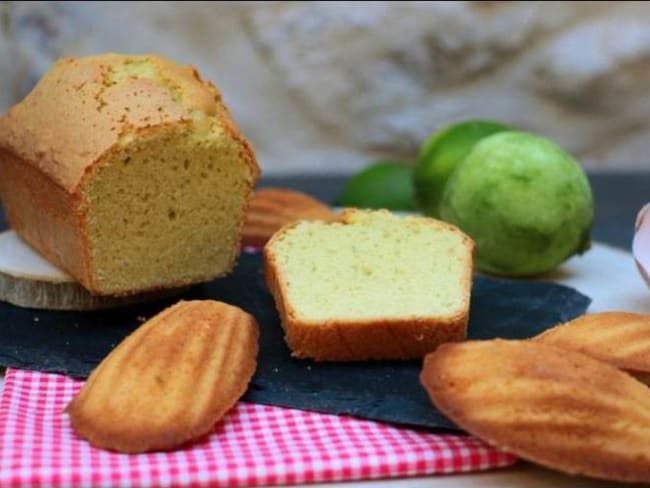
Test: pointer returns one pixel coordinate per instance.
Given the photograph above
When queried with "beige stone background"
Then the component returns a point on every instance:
(331, 86)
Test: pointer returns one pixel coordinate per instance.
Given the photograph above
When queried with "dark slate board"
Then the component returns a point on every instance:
(74, 342)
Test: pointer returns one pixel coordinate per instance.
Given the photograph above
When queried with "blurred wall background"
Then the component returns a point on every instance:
(332, 86)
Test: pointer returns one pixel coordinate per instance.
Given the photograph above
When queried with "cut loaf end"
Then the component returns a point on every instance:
(370, 286)
(166, 209)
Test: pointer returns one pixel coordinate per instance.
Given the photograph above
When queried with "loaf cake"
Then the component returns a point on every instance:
(370, 285)
(127, 172)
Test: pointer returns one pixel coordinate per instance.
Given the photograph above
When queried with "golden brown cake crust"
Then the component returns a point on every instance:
(619, 338)
(351, 340)
(72, 121)
(77, 112)
(170, 381)
(43, 214)
(549, 405)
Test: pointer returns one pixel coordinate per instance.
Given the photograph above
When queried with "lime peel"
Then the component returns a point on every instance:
(525, 201)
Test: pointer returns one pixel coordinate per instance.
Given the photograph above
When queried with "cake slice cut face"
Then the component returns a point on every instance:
(167, 207)
(370, 286)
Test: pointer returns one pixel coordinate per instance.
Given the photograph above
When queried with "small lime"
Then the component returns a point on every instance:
(526, 203)
(439, 156)
(384, 184)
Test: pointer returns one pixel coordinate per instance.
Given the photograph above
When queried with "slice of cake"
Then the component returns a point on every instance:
(370, 286)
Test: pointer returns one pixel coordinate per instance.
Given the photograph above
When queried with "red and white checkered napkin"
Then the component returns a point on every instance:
(253, 445)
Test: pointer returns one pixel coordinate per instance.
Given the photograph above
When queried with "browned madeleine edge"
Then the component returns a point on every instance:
(617, 337)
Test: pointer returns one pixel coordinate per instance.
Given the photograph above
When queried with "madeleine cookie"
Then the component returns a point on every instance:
(270, 209)
(553, 406)
(170, 381)
(619, 338)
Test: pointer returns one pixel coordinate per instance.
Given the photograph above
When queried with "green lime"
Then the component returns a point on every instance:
(440, 155)
(384, 184)
(526, 203)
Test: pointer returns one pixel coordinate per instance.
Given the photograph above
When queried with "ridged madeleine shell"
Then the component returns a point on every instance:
(170, 381)
(619, 338)
(270, 209)
(552, 406)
